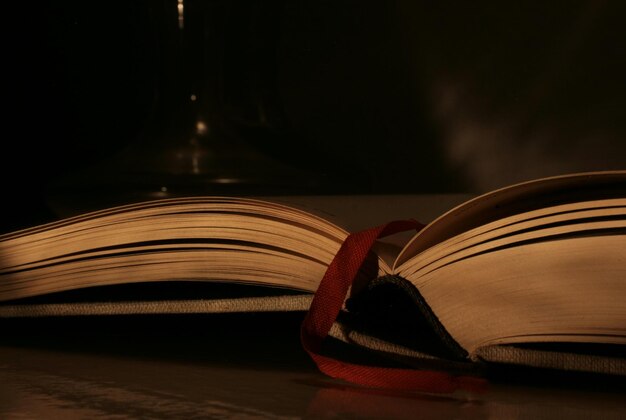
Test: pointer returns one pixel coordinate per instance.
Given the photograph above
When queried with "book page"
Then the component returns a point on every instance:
(568, 289)
(201, 238)
(541, 224)
(516, 199)
(280, 241)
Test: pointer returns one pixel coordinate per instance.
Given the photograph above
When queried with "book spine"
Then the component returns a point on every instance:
(392, 307)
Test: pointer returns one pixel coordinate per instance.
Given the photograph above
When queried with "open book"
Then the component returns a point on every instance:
(532, 274)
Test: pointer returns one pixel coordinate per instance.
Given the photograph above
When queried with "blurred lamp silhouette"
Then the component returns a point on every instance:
(217, 125)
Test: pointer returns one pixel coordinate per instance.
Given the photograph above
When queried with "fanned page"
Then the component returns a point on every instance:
(515, 199)
(552, 269)
(198, 239)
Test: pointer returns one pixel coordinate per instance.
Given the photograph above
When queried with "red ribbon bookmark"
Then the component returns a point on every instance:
(325, 308)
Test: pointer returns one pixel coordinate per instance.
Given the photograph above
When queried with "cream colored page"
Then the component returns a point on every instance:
(527, 226)
(570, 290)
(275, 244)
(504, 202)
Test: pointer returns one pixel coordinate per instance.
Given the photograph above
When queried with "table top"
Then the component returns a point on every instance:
(236, 366)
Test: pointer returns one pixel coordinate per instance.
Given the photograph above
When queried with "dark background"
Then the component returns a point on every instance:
(413, 96)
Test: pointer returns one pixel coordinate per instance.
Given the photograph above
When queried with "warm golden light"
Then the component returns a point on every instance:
(201, 128)
(181, 17)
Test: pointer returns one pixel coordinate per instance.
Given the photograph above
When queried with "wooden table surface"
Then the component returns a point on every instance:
(235, 366)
